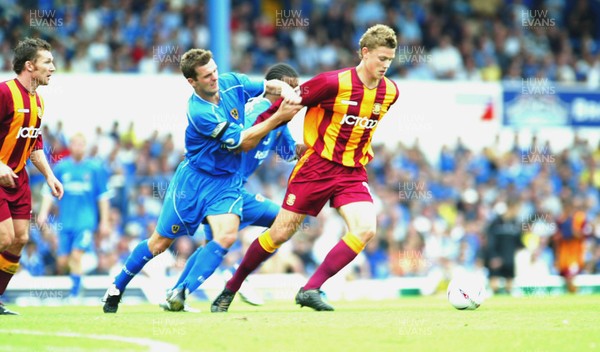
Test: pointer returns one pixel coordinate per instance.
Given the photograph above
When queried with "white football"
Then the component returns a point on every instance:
(466, 292)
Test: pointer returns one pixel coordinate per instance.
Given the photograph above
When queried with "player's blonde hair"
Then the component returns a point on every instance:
(376, 36)
(192, 59)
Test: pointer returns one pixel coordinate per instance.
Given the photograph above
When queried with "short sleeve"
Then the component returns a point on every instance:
(208, 123)
(317, 89)
(252, 88)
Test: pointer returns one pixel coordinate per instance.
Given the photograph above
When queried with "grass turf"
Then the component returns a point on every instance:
(551, 323)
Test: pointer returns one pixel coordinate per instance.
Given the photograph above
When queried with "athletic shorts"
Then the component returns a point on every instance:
(16, 202)
(193, 195)
(257, 211)
(70, 240)
(315, 180)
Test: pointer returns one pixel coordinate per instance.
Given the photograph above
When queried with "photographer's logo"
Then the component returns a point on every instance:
(44, 18)
(536, 18)
(413, 55)
(290, 18)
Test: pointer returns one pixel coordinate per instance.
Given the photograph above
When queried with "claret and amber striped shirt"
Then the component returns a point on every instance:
(342, 115)
(20, 119)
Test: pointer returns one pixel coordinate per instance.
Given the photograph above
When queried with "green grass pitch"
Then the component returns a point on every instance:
(550, 323)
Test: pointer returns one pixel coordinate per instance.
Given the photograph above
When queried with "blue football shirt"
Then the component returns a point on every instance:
(215, 129)
(84, 185)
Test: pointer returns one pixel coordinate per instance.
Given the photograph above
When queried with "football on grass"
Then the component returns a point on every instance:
(466, 292)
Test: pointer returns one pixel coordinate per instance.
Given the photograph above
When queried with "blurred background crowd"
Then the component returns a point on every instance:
(477, 40)
(474, 209)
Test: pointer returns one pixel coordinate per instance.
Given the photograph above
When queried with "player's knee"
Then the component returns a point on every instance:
(365, 235)
(21, 239)
(226, 240)
(6, 240)
(158, 244)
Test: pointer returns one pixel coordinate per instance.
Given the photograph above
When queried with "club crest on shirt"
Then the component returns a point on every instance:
(39, 109)
(174, 228)
(234, 113)
(291, 199)
(376, 108)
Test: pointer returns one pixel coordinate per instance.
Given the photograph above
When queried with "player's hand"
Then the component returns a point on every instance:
(287, 111)
(290, 95)
(7, 176)
(55, 187)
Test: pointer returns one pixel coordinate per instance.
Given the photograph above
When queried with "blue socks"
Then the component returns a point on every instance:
(188, 267)
(76, 285)
(205, 263)
(134, 264)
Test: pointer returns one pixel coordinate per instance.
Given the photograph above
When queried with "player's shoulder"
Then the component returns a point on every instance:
(389, 81)
(231, 79)
(4, 89)
(331, 74)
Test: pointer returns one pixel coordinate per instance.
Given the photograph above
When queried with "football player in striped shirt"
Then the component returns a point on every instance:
(21, 112)
(344, 109)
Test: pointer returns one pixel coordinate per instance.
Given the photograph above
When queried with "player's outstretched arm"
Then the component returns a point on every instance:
(38, 158)
(252, 136)
(281, 88)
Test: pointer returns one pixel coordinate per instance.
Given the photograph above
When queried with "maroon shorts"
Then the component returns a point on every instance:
(16, 202)
(315, 180)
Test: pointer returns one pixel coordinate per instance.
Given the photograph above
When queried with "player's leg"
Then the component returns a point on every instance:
(360, 218)
(7, 267)
(261, 212)
(224, 228)
(261, 249)
(178, 216)
(82, 243)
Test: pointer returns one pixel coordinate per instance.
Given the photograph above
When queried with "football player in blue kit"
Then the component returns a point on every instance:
(207, 186)
(258, 210)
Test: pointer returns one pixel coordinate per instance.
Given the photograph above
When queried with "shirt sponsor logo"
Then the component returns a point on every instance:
(359, 121)
(29, 132)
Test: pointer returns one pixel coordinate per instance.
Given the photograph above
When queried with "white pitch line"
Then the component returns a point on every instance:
(155, 346)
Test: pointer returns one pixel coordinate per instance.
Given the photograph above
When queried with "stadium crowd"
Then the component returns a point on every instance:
(434, 214)
(438, 39)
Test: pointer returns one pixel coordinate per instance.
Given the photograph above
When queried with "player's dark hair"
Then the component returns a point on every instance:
(278, 71)
(192, 59)
(27, 50)
(376, 36)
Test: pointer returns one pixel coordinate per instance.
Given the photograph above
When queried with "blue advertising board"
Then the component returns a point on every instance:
(540, 103)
